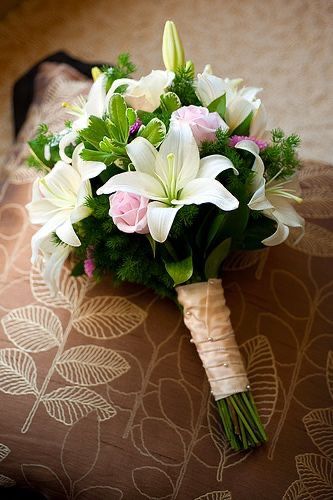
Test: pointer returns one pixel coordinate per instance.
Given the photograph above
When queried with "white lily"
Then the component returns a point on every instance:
(172, 177)
(273, 198)
(54, 257)
(94, 105)
(58, 202)
(239, 103)
(144, 94)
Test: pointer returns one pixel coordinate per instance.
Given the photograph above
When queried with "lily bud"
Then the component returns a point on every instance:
(172, 48)
(95, 72)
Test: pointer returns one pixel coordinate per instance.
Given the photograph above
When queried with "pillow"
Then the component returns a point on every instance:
(102, 395)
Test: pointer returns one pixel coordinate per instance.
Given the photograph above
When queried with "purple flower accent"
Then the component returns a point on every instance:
(89, 263)
(235, 139)
(135, 127)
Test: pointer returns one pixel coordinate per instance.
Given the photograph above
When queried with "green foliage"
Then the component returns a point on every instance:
(180, 270)
(44, 142)
(219, 105)
(154, 131)
(183, 86)
(242, 161)
(280, 157)
(244, 127)
(184, 219)
(123, 69)
(170, 102)
(215, 258)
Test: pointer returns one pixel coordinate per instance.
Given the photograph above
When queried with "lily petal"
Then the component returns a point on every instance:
(67, 234)
(237, 111)
(280, 235)
(160, 218)
(54, 258)
(213, 165)
(87, 169)
(259, 122)
(134, 182)
(258, 165)
(181, 143)
(200, 191)
(66, 140)
(96, 98)
(259, 200)
(249, 93)
(46, 230)
(142, 154)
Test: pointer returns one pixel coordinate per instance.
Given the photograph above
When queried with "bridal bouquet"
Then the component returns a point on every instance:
(156, 181)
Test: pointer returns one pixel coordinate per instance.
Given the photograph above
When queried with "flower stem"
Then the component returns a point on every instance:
(241, 421)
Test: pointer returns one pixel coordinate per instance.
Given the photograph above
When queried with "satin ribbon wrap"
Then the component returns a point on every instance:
(208, 319)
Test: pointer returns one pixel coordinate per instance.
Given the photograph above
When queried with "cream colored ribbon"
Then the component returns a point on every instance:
(207, 317)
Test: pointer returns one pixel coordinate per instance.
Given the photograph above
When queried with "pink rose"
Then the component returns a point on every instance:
(129, 212)
(203, 123)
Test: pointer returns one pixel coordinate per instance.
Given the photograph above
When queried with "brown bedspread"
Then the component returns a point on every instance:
(102, 396)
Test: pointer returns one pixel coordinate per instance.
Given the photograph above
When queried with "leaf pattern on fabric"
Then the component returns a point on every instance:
(91, 365)
(69, 404)
(108, 317)
(33, 328)
(18, 373)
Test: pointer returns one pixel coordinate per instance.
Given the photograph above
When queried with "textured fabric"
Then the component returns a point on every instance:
(102, 395)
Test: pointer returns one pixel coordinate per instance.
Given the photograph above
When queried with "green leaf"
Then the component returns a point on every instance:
(244, 127)
(109, 146)
(118, 115)
(95, 131)
(215, 228)
(215, 259)
(131, 116)
(152, 243)
(181, 270)
(232, 225)
(154, 132)
(257, 231)
(92, 155)
(170, 102)
(219, 105)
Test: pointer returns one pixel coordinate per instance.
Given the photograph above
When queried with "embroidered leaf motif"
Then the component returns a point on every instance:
(316, 205)
(105, 492)
(42, 478)
(319, 426)
(33, 328)
(296, 491)
(152, 482)
(23, 175)
(216, 495)
(91, 365)
(17, 372)
(6, 482)
(317, 241)
(4, 451)
(281, 281)
(69, 404)
(261, 371)
(74, 446)
(150, 427)
(67, 295)
(108, 317)
(316, 473)
(242, 260)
